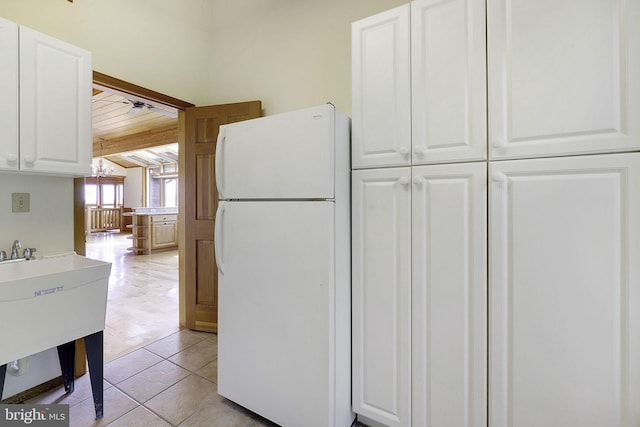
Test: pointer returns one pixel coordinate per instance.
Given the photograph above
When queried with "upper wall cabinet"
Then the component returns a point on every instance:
(448, 81)
(419, 85)
(563, 77)
(381, 86)
(9, 98)
(53, 109)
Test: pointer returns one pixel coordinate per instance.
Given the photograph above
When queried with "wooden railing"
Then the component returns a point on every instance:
(103, 219)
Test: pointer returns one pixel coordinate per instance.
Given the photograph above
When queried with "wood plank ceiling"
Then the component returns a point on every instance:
(124, 125)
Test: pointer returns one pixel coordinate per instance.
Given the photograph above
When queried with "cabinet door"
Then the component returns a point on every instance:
(449, 295)
(9, 97)
(164, 234)
(448, 74)
(563, 77)
(381, 246)
(381, 86)
(55, 105)
(565, 292)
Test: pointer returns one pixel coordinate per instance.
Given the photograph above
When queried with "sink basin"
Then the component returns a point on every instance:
(50, 301)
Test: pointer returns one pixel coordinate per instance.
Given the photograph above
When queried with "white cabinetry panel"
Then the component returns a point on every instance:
(565, 291)
(449, 295)
(562, 77)
(381, 85)
(9, 95)
(448, 73)
(55, 105)
(381, 209)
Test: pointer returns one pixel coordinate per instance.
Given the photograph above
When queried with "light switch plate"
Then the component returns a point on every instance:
(19, 202)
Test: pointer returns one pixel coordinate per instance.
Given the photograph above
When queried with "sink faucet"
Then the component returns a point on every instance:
(14, 249)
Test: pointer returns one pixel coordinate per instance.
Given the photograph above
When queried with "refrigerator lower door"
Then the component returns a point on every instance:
(276, 308)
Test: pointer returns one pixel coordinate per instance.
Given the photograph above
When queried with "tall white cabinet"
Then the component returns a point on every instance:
(513, 158)
(46, 104)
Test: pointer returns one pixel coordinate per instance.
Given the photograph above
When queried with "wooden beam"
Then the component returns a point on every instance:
(139, 141)
(126, 87)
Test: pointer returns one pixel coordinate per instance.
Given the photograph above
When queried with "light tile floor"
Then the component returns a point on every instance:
(155, 374)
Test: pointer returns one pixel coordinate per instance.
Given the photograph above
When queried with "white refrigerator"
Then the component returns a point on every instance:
(282, 244)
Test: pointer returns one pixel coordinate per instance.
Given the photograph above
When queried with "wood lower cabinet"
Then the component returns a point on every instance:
(164, 231)
(153, 232)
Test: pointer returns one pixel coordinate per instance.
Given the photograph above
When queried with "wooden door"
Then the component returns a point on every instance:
(562, 77)
(449, 295)
(199, 199)
(565, 291)
(381, 289)
(381, 81)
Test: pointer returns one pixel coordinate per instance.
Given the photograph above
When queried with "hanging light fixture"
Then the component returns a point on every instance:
(101, 170)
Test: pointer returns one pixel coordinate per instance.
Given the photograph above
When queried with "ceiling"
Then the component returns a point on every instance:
(133, 132)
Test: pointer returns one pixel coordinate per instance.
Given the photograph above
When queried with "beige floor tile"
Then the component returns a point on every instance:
(81, 391)
(174, 343)
(142, 305)
(140, 417)
(209, 371)
(146, 384)
(129, 365)
(196, 356)
(116, 404)
(262, 422)
(183, 399)
(217, 411)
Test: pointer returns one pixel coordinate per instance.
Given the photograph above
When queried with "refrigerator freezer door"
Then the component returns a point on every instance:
(284, 156)
(276, 349)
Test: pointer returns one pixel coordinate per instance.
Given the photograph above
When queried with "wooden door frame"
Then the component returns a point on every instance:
(117, 85)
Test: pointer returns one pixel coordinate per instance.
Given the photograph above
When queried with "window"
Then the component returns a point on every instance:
(163, 186)
(104, 191)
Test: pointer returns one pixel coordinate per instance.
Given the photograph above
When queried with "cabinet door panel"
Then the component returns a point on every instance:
(565, 292)
(448, 72)
(55, 105)
(381, 85)
(449, 295)
(9, 97)
(562, 77)
(381, 210)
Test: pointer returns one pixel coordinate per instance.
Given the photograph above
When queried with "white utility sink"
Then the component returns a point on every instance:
(50, 301)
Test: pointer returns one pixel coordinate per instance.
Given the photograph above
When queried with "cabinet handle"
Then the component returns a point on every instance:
(404, 150)
(497, 143)
(28, 158)
(417, 180)
(12, 157)
(403, 180)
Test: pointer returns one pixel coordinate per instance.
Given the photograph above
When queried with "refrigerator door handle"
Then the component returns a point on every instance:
(217, 236)
(218, 160)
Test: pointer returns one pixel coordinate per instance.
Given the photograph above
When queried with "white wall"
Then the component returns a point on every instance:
(133, 188)
(48, 227)
(289, 54)
(163, 45)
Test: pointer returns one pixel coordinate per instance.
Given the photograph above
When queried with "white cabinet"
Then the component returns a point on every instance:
(381, 90)
(419, 295)
(381, 289)
(565, 291)
(563, 77)
(53, 110)
(449, 295)
(419, 85)
(9, 98)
